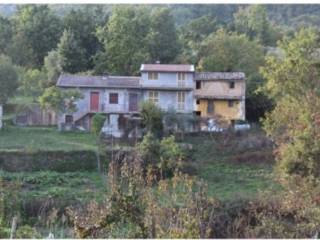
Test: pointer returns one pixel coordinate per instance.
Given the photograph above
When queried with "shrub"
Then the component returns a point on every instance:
(152, 118)
(97, 123)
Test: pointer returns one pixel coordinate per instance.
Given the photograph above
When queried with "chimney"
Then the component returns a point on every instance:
(105, 75)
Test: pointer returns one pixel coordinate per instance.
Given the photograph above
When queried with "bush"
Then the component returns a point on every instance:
(27, 232)
(97, 123)
(152, 118)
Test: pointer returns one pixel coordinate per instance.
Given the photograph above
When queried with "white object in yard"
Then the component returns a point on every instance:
(213, 127)
(80, 128)
(1, 114)
(242, 126)
(112, 127)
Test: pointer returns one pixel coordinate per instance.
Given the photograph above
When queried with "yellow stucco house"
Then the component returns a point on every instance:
(220, 95)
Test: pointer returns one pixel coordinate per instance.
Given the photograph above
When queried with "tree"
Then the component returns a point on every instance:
(62, 101)
(6, 34)
(162, 38)
(8, 79)
(72, 56)
(223, 51)
(32, 82)
(253, 22)
(35, 28)
(125, 39)
(83, 24)
(293, 82)
(192, 35)
(97, 123)
(52, 67)
(151, 116)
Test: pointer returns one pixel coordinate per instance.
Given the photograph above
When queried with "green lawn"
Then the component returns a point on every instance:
(48, 139)
(228, 180)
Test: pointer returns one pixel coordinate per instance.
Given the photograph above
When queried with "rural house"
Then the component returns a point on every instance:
(170, 86)
(220, 94)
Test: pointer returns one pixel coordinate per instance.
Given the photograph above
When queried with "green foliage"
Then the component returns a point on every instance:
(162, 38)
(227, 52)
(165, 154)
(83, 24)
(60, 100)
(127, 30)
(27, 232)
(72, 56)
(52, 68)
(253, 21)
(97, 123)
(293, 81)
(37, 32)
(6, 34)
(32, 82)
(8, 78)
(151, 116)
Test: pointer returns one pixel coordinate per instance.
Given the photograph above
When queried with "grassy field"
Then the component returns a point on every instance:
(48, 139)
(226, 179)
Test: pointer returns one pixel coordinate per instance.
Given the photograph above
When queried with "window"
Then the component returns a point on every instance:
(231, 85)
(181, 79)
(198, 102)
(154, 97)
(113, 98)
(210, 106)
(230, 103)
(181, 100)
(69, 119)
(153, 75)
(198, 84)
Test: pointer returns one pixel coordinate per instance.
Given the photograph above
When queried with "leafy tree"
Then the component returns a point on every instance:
(97, 123)
(6, 34)
(62, 101)
(83, 24)
(8, 79)
(223, 51)
(52, 67)
(125, 39)
(192, 35)
(35, 28)
(72, 56)
(253, 22)
(163, 39)
(293, 82)
(152, 118)
(31, 83)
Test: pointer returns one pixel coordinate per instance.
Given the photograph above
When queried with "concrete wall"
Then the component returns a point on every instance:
(221, 88)
(169, 99)
(166, 80)
(222, 109)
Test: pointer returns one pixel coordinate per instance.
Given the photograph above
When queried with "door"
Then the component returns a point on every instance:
(133, 102)
(94, 101)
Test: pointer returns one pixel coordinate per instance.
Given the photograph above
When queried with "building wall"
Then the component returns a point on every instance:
(221, 88)
(221, 108)
(166, 80)
(169, 99)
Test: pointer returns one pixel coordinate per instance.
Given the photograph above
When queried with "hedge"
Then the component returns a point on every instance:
(60, 161)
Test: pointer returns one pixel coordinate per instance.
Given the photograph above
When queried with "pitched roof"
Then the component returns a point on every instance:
(167, 68)
(68, 80)
(220, 76)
